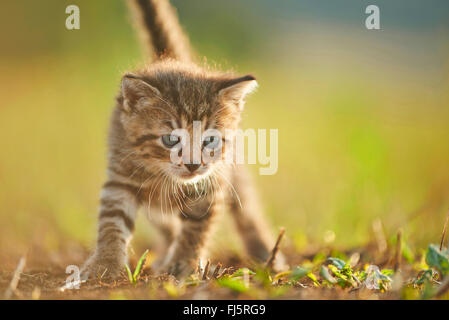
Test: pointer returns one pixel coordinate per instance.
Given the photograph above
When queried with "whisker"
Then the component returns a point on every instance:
(153, 187)
(128, 155)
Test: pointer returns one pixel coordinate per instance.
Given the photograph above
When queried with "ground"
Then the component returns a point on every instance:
(323, 273)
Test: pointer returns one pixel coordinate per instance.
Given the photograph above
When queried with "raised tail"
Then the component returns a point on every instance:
(162, 29)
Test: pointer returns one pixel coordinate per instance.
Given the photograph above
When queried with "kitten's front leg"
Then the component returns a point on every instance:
(182, 258)
(116, 223)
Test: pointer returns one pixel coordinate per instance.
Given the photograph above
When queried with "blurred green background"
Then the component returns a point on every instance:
(363, 115)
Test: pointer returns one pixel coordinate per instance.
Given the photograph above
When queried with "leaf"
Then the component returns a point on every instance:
(235, 284)
(426, 280)
(438, 259)
(324, 272)
(241, 272)
(130, 276)
(425, 275)
(298, 273)
(282, 275)
(313, 278)
(387, 272)
(344, 276)
(139, 265)
(376, 279)
(340, 264)
(361, 275)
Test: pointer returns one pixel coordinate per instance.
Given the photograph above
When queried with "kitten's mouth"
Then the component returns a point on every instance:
(190, 177)
(187, 177)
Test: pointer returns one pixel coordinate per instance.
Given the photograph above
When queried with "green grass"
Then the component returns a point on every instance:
(424, 282)
(323, 276)
(134, 276)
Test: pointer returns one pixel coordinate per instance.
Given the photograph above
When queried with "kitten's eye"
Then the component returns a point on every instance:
(170, 141)
(211, 142)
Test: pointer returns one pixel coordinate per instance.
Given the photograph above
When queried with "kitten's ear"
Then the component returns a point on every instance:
(237, 89)
(135, 88)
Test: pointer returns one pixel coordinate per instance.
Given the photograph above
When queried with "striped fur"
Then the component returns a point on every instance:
(170, 94)
(162, 30)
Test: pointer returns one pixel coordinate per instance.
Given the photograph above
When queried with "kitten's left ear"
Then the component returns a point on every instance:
(236, 90)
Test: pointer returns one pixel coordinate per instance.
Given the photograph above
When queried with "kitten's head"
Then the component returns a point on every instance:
(165, 106)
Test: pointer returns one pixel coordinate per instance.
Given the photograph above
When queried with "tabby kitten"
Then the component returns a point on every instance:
(182, 199)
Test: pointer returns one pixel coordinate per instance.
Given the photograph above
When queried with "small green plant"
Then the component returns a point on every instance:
(436, 267)
(132, 277)
(235, 284)
(438, 259)
(238, 281)
(340, 273)
(429, 275)
(343, 274)
(300, 272)
(242, 272)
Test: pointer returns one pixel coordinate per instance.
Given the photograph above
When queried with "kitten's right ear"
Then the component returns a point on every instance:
(135, 88)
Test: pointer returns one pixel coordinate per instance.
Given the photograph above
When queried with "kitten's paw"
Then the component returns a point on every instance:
(105, 269)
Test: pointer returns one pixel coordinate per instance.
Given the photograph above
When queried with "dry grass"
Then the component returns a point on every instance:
(231, 278)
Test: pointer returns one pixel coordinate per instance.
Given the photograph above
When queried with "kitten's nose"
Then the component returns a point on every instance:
(192, 167)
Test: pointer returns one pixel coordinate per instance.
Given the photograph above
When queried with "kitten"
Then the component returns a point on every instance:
(182, 199)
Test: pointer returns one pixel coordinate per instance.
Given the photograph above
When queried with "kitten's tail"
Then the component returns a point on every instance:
(162, 29)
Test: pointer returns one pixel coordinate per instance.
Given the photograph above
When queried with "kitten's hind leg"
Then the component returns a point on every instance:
(247, 214)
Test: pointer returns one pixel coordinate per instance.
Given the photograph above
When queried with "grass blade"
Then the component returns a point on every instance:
(130, 276)
(139, 266)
